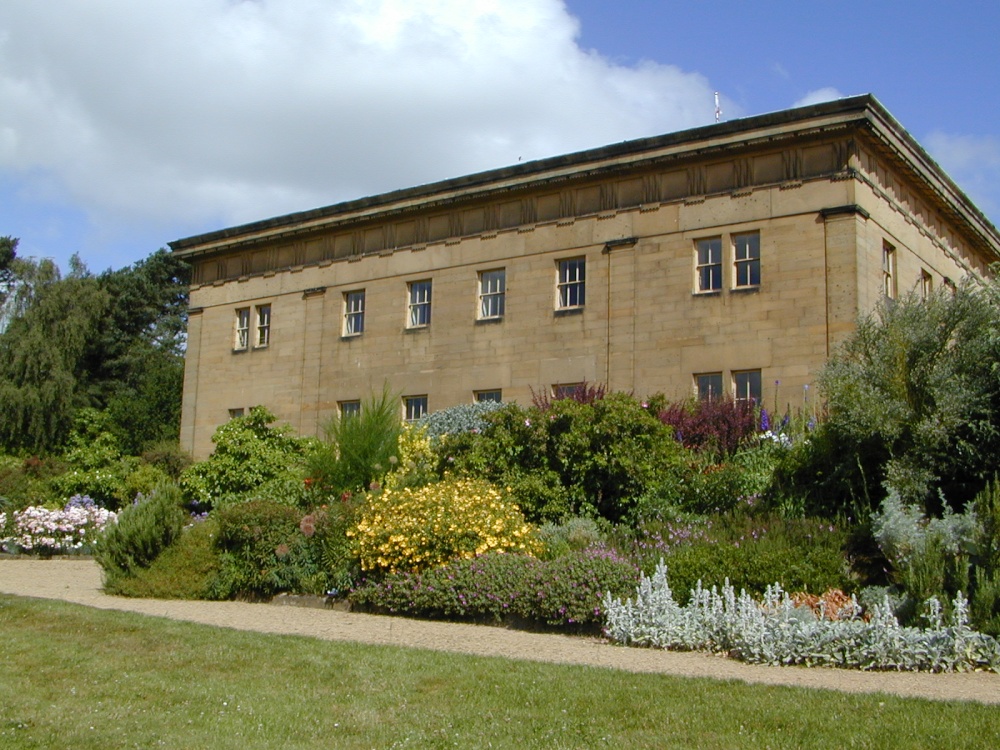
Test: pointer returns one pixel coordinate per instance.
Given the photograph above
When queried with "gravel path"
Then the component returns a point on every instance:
(79, 581)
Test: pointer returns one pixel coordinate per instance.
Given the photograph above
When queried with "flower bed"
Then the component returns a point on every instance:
(42, 531)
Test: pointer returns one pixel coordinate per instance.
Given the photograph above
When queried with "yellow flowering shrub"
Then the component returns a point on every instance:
(415, 461)
(411, 529)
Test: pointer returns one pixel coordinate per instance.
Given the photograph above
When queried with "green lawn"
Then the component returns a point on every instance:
(75, 677)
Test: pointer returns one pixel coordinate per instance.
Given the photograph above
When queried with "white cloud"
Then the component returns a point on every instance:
(234, 110)
(971, 161)
(826, 94)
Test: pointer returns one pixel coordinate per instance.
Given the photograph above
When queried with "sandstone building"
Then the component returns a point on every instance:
(730, 258)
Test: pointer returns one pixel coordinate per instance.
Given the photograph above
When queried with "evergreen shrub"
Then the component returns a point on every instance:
(143, 530)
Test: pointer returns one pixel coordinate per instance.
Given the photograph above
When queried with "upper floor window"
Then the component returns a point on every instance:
(572, 284)
(708, 264)
(746, 259)
(888, 270)
(486, 396)
(926, 284)
(354, 313)
(746, 386)
(263, 326)
(414, 407)
(241, 339)
(420, 304)
(492, 293)
(708, 386)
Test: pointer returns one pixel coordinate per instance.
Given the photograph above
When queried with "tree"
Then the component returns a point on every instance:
(112, 342)
(914, 405)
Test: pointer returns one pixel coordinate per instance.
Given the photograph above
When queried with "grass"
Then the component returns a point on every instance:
(85, 678)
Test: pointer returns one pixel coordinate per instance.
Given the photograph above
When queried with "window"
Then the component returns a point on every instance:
(242, 338)
(926, 284)
(420, 304)
(572, 285)
(566, 390)
(349, 409)
(235, 413)
(708, 385)
(354, 313)
(708, 265)
(414, 407)
(263, 326)
(888, 270)
(746, 259)
(746, 386)
(488, 396)
(492, 291)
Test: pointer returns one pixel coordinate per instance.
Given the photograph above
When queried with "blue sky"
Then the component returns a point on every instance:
(124, 125)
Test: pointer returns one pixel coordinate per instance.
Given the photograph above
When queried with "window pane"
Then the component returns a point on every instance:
(492, 291)
(354, 313)
(416, 407)
(420, 303)
(572, 282)
(349, 409)
(709, 386)
(709, 264)
(242, 328)
(747, 386)
(746, 251)
(495, 396)
(263, 325)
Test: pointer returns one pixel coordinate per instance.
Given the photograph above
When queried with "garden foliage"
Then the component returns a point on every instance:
(265, 548)
(414, 529)
(914, 404)
(570, 458)
(143, 530)
(496, 587)
(457, 419)
(775, 631)
(42, 531)
(249, 454)
(358, 449)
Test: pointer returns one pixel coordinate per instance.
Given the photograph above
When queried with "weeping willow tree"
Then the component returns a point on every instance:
(112, 342)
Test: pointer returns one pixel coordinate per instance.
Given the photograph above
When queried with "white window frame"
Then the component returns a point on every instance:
(414, 407)
(492, 293)
(237, 412)
(565, 390)
(354, 312)
(263, 329)
(419, 306)
(926, 284)
(708, 265)
(888, 270)
(571, 283)
(348, 409)
(241, 333)
(744, 386)
(746, 260)
(494, 395)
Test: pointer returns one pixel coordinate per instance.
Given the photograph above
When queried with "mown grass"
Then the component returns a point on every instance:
(74, 677)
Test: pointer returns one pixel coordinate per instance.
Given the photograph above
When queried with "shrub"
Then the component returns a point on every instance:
(248, 452)
(805, 554)
(985, 611)
(572, 535)
(775, 631)
(495, 586)
(718, 426)
(265, 548)
(482, 588)
(167, 456)
(578, 458)
(143, 530)
(458, 419)
(416, 464)
(415, 529)
(184, 570)
(569, 589)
